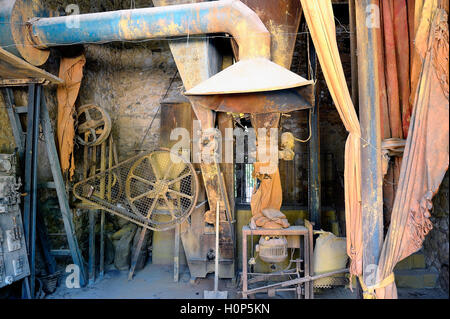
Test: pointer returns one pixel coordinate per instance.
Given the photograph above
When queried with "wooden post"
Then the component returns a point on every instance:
(92, 220)
(61, 191)
(102, 216)
(353, 58)
(314, 198)
(244, 265)
(367, 20)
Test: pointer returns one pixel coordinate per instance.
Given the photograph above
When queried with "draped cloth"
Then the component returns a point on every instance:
(320, 20)
(395, 36)
(267, 195)
(71, 71)
(426, 155)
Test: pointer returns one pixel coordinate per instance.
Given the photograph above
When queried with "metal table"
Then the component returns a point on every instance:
(290, 231)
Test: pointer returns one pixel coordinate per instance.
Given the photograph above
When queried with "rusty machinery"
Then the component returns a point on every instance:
(142, 187)
(254, 84)
(13, 251)
(94, 125)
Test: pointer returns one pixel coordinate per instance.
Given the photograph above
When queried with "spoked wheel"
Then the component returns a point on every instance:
(162, 182)
(93, 122)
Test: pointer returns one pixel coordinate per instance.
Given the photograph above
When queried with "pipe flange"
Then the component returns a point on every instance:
(22, 12)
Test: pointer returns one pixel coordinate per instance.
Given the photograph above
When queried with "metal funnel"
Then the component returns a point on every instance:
(254, 86)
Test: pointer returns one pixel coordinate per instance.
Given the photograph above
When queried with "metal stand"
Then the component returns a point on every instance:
(291, 231)
(28, 151)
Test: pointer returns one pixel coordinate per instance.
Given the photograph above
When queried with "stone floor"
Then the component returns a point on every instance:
(156, 282)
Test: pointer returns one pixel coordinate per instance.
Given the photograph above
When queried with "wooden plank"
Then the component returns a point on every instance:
(60, 252)
(92, 221)
(102, 214)
(176, 254)
(225, 121)
(245, 231)
(15, 71)
(310, 257)
(61, 191)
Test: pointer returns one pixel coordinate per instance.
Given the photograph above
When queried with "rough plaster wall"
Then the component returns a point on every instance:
(88, 6)
(7, 144)
(129, 82)
(436, 244)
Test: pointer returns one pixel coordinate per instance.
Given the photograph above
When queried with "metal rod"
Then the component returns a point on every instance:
(26, 292)
(297, 281)
(35, 138)
(216, 260)
(28, 165)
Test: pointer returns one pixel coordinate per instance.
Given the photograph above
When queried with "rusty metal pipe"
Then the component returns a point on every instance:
(224, 16)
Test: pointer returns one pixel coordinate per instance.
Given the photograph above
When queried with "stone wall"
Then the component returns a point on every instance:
(437, 242)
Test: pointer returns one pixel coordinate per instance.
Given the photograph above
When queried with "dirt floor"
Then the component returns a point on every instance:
(156, 282)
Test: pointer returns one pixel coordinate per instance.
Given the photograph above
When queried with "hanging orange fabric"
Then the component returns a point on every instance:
(395, 42)
(401, 35)
(267, 195)
(71, 71)
(320, 20)
(426, 155)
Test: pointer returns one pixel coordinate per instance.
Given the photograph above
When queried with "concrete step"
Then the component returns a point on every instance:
(416, 278)
(415, 261)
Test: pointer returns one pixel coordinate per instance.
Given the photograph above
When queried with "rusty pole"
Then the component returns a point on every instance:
(367, 21)
(314, 198)
(353, 58)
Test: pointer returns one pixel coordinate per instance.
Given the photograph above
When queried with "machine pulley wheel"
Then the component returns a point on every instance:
(162, 183)
(94, 125)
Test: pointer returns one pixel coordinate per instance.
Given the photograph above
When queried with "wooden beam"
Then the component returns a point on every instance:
(314, 198)
(15, 71)
(353, 50)
(367, 21)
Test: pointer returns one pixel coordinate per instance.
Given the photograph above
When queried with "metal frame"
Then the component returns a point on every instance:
(28, 151)
(291, 231)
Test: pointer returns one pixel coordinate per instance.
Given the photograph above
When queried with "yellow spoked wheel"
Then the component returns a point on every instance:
(161, 182)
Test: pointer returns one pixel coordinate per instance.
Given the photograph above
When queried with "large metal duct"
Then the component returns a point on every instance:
(24, 27)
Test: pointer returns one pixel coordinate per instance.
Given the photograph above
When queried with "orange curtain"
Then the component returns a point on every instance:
(397, 28)
(320, 20)
(426, 155)
(71, 71)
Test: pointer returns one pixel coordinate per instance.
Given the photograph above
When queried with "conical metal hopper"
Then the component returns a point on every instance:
(253, 86)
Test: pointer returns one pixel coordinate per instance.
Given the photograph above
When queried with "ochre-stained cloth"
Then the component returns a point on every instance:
(426, 155)
(267, 195)
(269, 219)
(320, 20)
(71, 71)
(394, 74)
